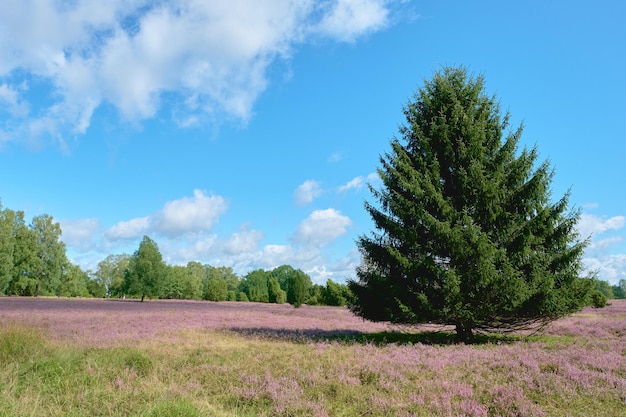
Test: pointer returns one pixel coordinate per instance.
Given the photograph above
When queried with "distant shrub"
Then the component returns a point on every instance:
(242, 296)
(275, 293)
(598, 300)
(231, 296)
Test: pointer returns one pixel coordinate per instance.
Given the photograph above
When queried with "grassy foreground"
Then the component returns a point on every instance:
(576, 368)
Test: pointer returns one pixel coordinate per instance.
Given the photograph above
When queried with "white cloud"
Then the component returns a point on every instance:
(79, 233)
(355, 183)
(600, 255)
(129, 229)
(307, 192)
(610, 268)
(321, 228)
(348, 19)
(246, 241)
(189, 215)
(590, 224)
(359, 182)
(11, 101)
(603, 245)
(211, 57)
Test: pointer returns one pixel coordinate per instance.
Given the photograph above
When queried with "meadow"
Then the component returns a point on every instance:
(95, 357)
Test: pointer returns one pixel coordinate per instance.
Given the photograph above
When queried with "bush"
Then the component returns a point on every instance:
(598, 300)
(242, 296)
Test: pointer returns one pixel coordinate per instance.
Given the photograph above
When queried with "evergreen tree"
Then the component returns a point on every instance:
(298, 285)
(466, 233)
(275, 293)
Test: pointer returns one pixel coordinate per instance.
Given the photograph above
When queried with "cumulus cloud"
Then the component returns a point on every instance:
(600, 256)
(354, 184)
(11, 102)
(307, 192)
(189, 215)
(179, 217)
(590, 224)
(209, 57)
(359, 182)
(79, 233)
(348, 19)
(609, 268)
(128, 229)
(246, 241)
(321, 228)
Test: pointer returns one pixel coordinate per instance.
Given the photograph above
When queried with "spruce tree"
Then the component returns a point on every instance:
(466, 233)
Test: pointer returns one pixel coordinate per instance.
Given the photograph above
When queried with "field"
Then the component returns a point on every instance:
(81, 357)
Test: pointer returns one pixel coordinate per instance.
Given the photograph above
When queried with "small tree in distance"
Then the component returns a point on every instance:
(466, 232)
(146, 270)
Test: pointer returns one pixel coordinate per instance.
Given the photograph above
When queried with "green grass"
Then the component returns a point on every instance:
(220, 373)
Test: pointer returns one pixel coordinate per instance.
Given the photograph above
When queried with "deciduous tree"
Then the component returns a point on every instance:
(50, 254)
(7, 248)
(146, 270)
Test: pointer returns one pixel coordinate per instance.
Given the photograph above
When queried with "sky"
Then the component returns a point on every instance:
(244, 133)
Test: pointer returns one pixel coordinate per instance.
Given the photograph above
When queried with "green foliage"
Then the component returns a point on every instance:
(254, 284)
(336, 294)
(604, 287)
(95, 286)
(171, 287)
(224, 272)
(193, 281)
(111, 272)
(7, 248)
(619, 290)
(217, 290)
(598, 299)
(73, 282)
(275, 293)
(49, 255)
(466, 234)
(23, 281)
(316, 295)
(146, 270)
(298, 284)
(241, 296)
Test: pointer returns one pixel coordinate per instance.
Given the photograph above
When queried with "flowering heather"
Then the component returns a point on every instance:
(99, 322)
(246, 359)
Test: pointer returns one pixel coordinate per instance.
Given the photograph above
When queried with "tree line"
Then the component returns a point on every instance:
(33, 262)
(145, 274)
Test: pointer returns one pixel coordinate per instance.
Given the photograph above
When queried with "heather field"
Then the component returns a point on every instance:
(90, 357)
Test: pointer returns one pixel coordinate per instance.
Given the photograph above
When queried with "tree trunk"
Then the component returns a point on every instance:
(464, 333)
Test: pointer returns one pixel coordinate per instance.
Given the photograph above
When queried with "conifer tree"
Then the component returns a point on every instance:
(466, 233)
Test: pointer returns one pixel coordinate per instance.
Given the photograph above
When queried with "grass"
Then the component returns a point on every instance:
(253, 368)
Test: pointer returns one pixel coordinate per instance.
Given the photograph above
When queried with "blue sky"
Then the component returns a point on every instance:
(243, 132)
